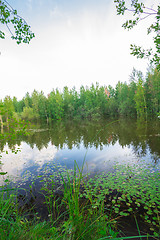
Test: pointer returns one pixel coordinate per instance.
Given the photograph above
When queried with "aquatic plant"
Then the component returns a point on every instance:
(131, 189)
(87, 208)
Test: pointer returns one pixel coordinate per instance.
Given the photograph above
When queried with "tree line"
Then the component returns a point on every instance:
(139, 98)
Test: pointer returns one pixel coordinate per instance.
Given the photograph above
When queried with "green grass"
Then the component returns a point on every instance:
(89, 208)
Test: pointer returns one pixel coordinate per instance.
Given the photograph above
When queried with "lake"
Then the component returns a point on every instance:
(99, 144)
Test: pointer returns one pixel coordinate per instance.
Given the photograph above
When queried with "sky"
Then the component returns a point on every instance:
(78, 42)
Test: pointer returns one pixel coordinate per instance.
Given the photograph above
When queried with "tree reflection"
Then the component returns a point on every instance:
(142, 136)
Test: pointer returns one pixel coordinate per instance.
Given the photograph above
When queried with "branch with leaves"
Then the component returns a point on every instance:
(141, 12)
(21, 30)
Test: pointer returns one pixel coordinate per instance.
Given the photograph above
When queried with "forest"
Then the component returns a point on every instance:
(139, 98)
(56, 202)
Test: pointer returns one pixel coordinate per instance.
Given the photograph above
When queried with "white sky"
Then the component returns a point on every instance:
(73, 47)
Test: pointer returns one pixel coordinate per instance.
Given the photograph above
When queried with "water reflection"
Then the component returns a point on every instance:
(101, 143)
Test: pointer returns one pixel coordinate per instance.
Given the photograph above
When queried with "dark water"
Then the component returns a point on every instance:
(99, 143)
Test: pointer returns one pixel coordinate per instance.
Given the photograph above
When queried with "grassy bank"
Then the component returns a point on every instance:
(80, 207)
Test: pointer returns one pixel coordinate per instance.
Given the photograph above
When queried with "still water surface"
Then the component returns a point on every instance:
(99, 143)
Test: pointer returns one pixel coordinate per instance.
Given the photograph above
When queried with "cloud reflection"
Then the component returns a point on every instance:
(14, 164)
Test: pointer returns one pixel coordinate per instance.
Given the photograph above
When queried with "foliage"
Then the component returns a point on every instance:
(152, 92)
(9, 108)
(84, 207)
(141, 12)
(141, 98)
(87, 207)
(129, 190)
(55, 105)
(14, 226)
(28, 114)
(21, 30)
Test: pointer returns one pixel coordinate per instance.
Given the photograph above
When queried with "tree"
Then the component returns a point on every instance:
(55, 105)
(152, 89)
(2, 111)
(131, 101)
(42, 106)
(17, 26)
(141, 12)
(9, 108)
(28, 113)
(112, 102)
(27, 100)
(140, 100)
(18, 105)
(68, 102)
(35, 103)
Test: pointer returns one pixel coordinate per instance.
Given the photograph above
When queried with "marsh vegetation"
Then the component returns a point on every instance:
(69, 185)
(89, 162)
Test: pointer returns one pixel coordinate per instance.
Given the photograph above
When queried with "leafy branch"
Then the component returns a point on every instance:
(21, 30)
(141, 12)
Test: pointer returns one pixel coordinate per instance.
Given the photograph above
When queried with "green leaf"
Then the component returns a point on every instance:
(3, 173)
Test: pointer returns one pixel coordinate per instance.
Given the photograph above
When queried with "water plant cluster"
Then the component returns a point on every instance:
(83, 207)
(74, 205)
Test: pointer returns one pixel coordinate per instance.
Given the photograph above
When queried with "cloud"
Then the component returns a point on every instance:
(72, 49)
(14, 164)
(55, 13)
(29, 5)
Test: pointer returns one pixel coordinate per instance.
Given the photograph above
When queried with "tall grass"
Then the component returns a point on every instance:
(86, 214)
(86, 209)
